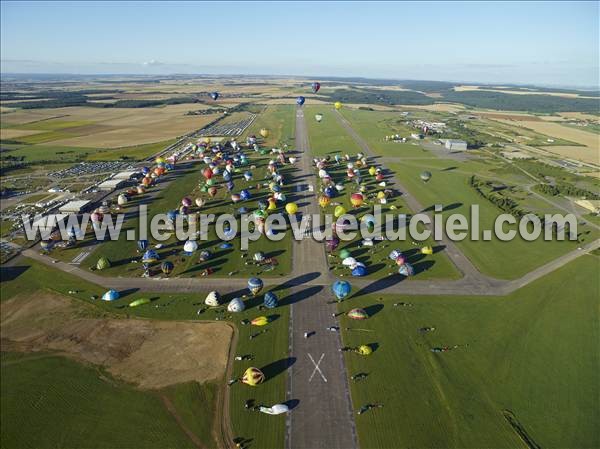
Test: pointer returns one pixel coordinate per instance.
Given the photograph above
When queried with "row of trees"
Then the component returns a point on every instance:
(566, 190)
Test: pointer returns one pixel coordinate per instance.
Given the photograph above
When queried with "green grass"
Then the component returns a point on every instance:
(449, 187)
(265, 431)
(279, 120)
(51, 401)
(534, 352)
(328, 135)
(223, 262)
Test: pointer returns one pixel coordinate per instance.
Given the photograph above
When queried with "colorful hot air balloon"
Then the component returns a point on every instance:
(291, 208)
(315, 87)
(425, 176)
(318, 117)
(167, 267)
(341, 289)
(264, 132)
(255, 285)
(337, 105)
(365, 350)
(253, 376)
(260, 321)
(324, 200)
(300, 100)
(406, 269)
(187, 202)
(111, 295)
(394, 254)
(142, 245)
(150, 256)
(358, 314)
(214, 95)
(271, 300)
(245, 195)
(356, 199)
(212, 191)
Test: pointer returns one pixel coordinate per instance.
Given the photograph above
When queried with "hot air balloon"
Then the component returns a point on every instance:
(212, 191)
(207, 173)
(102, 264)
(214, 95)
(212, 299)
(255, 285)
(428, 250)
(142, 245)
(259, 256)
(406, 270)
(318, 117)
(400, 260)
(344, 253)
(260, 321)
(332, 243)
(364, 350)
(324, 200)
(276, 409)
(356, 199)
(187, 202)
(358, 314)
(341, 289)
(199, 202)
(300, 100)
(337, 105)
(253, 376)
(245, 195)
(167, 267)
(236, 305)
(394, 254)
(291, 208)
(315, 87)
(264, 132)
(111, 295)
(359, 270)
(139, 302)
(141, 189)
(235, 198)
(46, 245)
(122, 199)
(425, 176)
(271, 300)
(150, 256)
(190, 246)
(339, 211)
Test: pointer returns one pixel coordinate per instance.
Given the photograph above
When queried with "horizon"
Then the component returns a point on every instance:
(550, 44)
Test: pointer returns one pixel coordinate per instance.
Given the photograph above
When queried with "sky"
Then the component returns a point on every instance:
(544, 43)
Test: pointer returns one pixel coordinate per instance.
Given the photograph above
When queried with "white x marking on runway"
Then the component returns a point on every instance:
(317, 367)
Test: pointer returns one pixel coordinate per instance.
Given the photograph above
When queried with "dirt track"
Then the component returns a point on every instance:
(141, 352)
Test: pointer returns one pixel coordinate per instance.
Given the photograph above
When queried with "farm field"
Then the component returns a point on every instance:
(504, 362)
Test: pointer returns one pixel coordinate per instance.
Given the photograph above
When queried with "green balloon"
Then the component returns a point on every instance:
(344, 253)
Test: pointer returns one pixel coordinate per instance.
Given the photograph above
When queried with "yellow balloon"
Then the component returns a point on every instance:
(427, 250)
(272, 205)
(339, 211)
(323, 201)
(364, 350)
(380, 195)
(264, 132)
(338, 105)
(372, 171)
(253, 376)
(260, 321)
(291, 208)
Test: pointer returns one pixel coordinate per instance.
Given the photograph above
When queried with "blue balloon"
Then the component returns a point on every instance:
(150, 256)
(330, 191)
(226, 176)
(230, 185)
(245, 195)
(226, 245)
(262, 205)
(341, 289)
(111, 295)
(359, 271)
(172, 215)
(300, 100)
(255, 285)
(270, 301)
(142, 244)
(214, 95)
(145, 170)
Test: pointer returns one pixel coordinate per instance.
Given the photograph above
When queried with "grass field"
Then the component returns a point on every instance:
(534, 353)
(449, 187)
(50, 401)
(269, 350)
(328, 135)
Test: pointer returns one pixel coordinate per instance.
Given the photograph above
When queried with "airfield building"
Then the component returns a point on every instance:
(127, 175)
(111, 184)
(74, 207)
(456, 145)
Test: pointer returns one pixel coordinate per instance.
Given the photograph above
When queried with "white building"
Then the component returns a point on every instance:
(416, 136)
(456, 145)
(111, 184)
(74, 207)
(126, 175)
